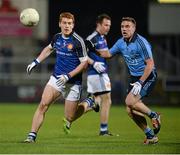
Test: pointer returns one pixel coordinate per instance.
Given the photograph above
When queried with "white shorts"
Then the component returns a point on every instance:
(98, 83)
(71, 92)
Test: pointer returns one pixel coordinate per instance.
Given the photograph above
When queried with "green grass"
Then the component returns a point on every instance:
(15, 122)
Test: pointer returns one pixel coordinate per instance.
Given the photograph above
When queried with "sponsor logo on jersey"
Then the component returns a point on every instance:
(70, 46)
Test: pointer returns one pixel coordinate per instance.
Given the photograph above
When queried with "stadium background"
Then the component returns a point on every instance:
(157, 22)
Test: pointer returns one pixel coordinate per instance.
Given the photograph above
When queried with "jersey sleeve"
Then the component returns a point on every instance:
(115, 48)
(51, 45)
(145, 48)
(100, 45)
(81, 51)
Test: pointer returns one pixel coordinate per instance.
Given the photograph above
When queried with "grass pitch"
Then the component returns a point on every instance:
(15, 122)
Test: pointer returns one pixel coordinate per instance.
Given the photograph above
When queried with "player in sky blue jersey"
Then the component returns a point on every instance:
(66, 79)
(137, 54)
(98, 82)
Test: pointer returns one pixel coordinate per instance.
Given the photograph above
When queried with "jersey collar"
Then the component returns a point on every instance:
(133, 38)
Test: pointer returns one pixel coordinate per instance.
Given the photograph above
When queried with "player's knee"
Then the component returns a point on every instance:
(129, 102)
(43, 106)
(129, 112)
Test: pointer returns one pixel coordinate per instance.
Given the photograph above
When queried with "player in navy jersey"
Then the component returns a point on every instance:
(98, 82)
(137, 54)
(66, 79)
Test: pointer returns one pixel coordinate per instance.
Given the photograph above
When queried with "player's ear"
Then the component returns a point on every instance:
(59, 24)
(73, 25)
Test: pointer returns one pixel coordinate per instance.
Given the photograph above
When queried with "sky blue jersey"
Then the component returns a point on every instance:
(69, 54)
(100, 44)
(134, 52)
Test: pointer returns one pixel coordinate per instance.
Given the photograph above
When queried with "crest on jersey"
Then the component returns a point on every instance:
(70, 46)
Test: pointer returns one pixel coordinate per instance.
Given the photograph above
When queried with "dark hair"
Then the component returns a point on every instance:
(101, 17)
(129, 19)
(66, 15)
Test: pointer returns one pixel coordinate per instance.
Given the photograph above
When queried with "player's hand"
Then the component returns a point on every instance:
(31, 66)
(62, 79)
(137, 86)
(99, 67)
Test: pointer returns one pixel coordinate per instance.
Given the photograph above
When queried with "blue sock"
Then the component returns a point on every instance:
(89, 101)
(103, 127)
(32, 135)
(152, 114)
(149, 133)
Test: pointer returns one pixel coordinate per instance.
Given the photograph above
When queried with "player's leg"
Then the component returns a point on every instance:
(133, 101)
(69, 112)
(104, 113)
(136, 105)
(73, 93)
(85, 106)
(154, 116)
(100, 87)
(49, 96)
(140, 120)
(91, 103)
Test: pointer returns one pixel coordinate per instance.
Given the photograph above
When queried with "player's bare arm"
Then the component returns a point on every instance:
(148, 69)
(105, 54)
(45, 53)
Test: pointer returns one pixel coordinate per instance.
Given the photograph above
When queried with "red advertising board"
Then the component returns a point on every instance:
(11, 26)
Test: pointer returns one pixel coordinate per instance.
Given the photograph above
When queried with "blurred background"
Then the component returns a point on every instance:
(19, 45)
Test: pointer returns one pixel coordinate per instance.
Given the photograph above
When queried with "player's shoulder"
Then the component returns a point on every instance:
(77, 37)
(57, 35)
(120, 41)
(141, 38)
(92, 35)
(78, 40)
(142, 41)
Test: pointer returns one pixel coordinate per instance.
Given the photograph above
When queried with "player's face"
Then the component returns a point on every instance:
(127, 29)
(104, 27)
(66, 26)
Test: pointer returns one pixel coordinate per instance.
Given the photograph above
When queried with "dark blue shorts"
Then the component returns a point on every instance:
(148, 85)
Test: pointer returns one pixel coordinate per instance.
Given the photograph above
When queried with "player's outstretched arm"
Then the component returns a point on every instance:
(105, 54)
(43, 55)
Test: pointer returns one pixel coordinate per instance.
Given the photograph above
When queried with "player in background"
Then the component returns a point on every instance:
(98, 82)
(137, 54)
(66, 79)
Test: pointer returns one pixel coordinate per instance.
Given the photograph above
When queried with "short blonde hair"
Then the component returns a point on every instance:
(66, 15)
(129, 19)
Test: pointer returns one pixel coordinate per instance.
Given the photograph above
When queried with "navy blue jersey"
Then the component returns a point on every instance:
(135, 53)
(70, 52)
(100, 44)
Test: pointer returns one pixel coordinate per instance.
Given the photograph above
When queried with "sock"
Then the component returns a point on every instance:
(89, 101)
(103, 127)
(68, 124)
(149, 133)
(32, 135)
(152, 114)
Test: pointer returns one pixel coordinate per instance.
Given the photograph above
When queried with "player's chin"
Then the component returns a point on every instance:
(125, 36)
(67, 33)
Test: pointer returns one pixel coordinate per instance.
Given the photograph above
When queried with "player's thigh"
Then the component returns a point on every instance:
(49, 95)
(106, 98)
(73, 92)
(132, 99)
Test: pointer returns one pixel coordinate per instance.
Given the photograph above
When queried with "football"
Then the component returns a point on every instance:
(29, 17)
